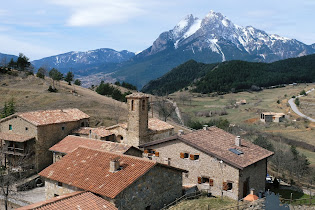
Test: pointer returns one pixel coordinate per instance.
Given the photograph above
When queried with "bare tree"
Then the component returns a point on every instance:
(164, 107)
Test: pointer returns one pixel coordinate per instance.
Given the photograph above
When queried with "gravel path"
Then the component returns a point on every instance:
(296, 110)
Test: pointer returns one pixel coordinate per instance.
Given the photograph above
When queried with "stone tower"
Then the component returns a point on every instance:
(137, 119)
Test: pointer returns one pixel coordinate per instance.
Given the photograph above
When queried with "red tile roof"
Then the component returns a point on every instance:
(100, 131)
(89, 170)
(70, 143)
(47, 117)
(75, 200)
(217, 142)
(158, 125)
(15, 137)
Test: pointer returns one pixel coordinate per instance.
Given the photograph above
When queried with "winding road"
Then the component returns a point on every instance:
(296, 110)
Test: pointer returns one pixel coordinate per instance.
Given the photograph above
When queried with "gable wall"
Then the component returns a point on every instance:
(207, 166)
(157, 187)
(18, 127)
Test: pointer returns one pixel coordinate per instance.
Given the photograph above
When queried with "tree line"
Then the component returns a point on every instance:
(233, 76)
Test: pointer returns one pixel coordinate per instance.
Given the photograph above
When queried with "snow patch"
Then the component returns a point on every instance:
(216, 48)
(193, 28)
(225, 22)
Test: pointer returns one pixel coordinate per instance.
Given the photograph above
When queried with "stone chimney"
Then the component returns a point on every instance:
(205, 127)
(114, 165)
(90, 133)
(180, 132)
(252, 191)
(238, 141)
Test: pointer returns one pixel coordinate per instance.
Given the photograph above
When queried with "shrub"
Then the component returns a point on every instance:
(52, 90)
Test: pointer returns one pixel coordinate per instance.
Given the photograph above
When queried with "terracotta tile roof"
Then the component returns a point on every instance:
(158, 125)
(122, 125)
(15, 137)
(137, 95)
(47, 117)
(82, 130)
(89, 170)
(70, 143)
(75, 200)
(100, 131)
(217, 142)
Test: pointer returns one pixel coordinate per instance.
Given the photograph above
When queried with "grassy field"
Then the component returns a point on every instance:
(204, 203)
(31, 94)
(248, 115)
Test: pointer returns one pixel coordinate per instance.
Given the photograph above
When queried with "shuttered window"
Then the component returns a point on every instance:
(182, 155)
(199, 180)
(211, 182)
(225, 186)
(157, 154)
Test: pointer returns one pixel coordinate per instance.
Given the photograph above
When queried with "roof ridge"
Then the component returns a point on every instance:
(113, 153)
(97, 140)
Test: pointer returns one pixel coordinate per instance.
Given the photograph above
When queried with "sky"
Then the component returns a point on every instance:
(42, 28)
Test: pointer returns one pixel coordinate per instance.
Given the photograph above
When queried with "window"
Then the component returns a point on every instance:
(194, 157)
(148, 208)
(205, 180)
(63, 128)
(10, 127)
(227, 186)
(167, 161)
(151, 152)
(143, 105)
(26, 128)
(132, 105)
(60, 184)
(82, 124)
(55, 195)
(184, 155)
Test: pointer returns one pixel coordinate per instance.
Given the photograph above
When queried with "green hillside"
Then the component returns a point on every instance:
(233, 76)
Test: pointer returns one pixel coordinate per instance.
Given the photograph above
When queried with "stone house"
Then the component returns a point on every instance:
(217, 161)
(75, 200)
(139, 128)
(126, 181)
(272, 117)
(31, 134)
(70, 143)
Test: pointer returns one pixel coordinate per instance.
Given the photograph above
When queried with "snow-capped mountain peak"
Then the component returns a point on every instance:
(217, 33)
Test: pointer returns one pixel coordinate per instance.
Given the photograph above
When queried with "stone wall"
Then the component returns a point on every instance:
(159, 186)
(256, 176)
(206, 166)
(48, 136)
(19, 126)
(52, 189)
(162, 134)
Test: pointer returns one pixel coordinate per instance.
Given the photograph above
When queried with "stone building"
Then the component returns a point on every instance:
(126, 181)
(217, 161)
(272, 117)
(139, 128)
(75, 200)
(31, 134)
(70, 143)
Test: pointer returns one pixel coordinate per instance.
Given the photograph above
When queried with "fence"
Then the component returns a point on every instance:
(305, 201)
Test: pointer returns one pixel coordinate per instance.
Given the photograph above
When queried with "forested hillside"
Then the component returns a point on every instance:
(233, 76)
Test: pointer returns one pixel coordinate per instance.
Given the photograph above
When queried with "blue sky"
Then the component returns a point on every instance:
(41, 28)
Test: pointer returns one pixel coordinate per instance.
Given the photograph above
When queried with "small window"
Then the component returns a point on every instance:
(186, 155)
(82, 124)
(60, 184)
(26, 128)
(55, 195)
(143, 105)
(230, 186)
(227, 186)
(148, 208)
(63, 128)
(132, 105)
(194, 157)
(10, 127)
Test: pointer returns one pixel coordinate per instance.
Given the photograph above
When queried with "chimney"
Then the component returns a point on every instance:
(180, 132)
(114, 165)
(205, 127)
(238, 141)
(252, 191)
(90, 133)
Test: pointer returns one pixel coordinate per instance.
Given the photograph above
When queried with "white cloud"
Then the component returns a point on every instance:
(101, 12)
